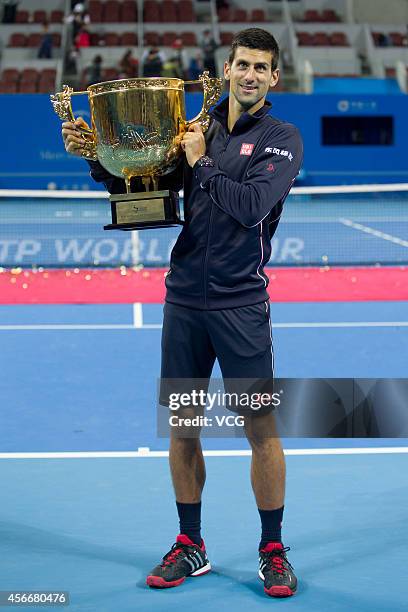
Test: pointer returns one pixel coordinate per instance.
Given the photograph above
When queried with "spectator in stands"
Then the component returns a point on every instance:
(383, 40)
(152, 66)
(79, 18)
(83, 38)
(208, 47)
(180, 54)
(128, 66)
(71, 66)
(171, 68)
(95, 70)
(196, 67)
(45, 48)
(9, 11)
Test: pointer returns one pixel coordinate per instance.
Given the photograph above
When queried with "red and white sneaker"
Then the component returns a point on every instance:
(275, 571)
(184, 559)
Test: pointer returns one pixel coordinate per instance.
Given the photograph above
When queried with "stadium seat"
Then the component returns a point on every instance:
(111, 11)
(10, 75)
(22, 17)
(26, 87)
(257, 15)
(305, 39)
(189, 39)
(320, 39)
(226, 38)
(29, 75)
(311, 16)
(129, 11)
(338, 39)
(110, 74)
(46, 84)
(56, 16)
(39, 16)
(240, 15)
(112, 39)
(376, 37)
(151, 11)
(95, 39)
(49, 74)
(152, 39)
(329, 16)
(185, 11)
(168, 11)
(168, 38)
(397, 39)
(18, 39)
(129, 39)
(224, 14)
(56, 39)
(95, 11)
(34, 39)
(8, 86)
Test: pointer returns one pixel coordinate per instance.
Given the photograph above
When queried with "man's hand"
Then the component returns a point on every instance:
(73, 138)
(193, 144)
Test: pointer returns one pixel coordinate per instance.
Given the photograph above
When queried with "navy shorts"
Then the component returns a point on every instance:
(240, 338)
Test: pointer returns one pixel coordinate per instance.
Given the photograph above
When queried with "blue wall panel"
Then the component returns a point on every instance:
(32, 155)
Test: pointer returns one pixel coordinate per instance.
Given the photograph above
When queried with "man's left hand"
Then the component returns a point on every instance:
(193, 144)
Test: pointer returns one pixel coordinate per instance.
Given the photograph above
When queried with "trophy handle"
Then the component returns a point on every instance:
(212, 88)
(61, 102)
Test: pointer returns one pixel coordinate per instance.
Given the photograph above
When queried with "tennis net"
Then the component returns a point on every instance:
(349, 225)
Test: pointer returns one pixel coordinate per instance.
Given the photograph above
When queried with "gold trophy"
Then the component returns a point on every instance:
(137, 127)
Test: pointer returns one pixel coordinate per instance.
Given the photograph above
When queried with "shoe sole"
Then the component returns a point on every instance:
(277, 591)
(158, 582)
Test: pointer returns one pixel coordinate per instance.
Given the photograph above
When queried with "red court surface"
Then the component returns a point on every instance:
(127, 285)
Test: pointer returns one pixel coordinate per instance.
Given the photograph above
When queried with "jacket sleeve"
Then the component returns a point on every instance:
(268, 179)
(114, 184)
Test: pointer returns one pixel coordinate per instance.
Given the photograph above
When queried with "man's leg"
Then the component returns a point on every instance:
(243, 343)
(187, 469)
(268, 461)
(187, 354)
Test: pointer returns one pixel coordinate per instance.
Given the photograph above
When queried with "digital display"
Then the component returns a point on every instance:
(358, 130)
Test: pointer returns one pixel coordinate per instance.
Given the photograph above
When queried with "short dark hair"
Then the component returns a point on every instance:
(255, 38)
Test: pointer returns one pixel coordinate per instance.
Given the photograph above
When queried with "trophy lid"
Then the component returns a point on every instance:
(138, 83)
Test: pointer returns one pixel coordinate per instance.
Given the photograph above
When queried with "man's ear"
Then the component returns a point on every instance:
(274, 78)
(227, 71)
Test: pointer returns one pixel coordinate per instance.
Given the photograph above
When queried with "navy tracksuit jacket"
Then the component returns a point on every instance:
(232, 210)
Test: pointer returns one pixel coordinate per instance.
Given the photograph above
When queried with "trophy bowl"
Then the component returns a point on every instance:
(136, 129)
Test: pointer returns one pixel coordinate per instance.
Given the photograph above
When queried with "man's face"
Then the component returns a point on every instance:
(250, 76)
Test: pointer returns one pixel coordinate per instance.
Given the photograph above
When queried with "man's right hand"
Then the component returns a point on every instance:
(73, 139)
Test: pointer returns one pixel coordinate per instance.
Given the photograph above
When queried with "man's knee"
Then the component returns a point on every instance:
(260, 429)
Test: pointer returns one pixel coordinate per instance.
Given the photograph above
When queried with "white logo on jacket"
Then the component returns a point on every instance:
(276, 151)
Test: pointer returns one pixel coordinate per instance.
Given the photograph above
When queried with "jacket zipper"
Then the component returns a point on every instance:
(209, 230)
(207, 254)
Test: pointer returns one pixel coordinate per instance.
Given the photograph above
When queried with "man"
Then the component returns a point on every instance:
(236, 179)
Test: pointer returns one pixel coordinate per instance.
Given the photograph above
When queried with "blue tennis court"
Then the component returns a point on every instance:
(89, 485)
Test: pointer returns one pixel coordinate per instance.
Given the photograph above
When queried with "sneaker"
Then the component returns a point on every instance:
(183, 559)
(275, 571)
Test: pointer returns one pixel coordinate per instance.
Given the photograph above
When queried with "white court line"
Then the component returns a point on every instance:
(336, 189)
(62, 327)
(137, 315)
(146, 452)
(139, 325)
(374, 232)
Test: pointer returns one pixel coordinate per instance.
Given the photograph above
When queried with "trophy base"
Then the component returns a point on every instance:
(148, 210)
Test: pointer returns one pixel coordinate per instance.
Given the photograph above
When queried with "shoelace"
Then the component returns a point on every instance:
(173, 553)
(276, 558)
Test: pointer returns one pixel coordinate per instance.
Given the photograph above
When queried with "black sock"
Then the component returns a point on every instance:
(190, 520)
(271, 526)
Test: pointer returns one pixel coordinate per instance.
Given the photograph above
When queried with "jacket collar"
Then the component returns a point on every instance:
(246, 120)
